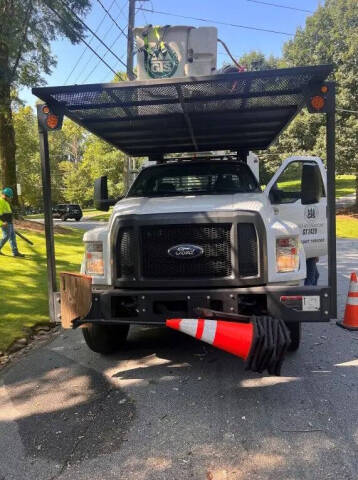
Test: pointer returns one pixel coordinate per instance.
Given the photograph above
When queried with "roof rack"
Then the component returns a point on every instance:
(236, 111)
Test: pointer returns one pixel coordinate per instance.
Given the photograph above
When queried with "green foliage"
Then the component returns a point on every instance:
(98, 159)
(27, 156)
(329, 36)
(77, 159)
(256, 60)
(24, 307)
(26, 29)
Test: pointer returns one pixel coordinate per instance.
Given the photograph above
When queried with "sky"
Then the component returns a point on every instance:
(77, 64)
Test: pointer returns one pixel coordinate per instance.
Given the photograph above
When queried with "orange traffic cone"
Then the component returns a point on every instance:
(350, 321)
(262, 343)
(235, 338)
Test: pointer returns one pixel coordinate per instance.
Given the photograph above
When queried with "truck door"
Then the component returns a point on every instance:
(284, 192)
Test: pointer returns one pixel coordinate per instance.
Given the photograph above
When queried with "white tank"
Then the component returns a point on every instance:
(180, 51)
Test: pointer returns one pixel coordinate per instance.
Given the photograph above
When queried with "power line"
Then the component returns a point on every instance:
(104, 36)
(144, 15)
(80, 36)
(91, 31)
(207, 20)
(117, 73)
(85, 49)
(113, 20)
(98, 63)
(280, 6)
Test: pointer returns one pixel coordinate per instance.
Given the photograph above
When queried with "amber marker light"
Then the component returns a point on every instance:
(324, 89)
(317, 102)
(52, 121)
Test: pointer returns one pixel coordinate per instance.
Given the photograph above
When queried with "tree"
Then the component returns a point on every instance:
(26, 29)
(27, 156)
(331, 36)
(99, 158)
(256, 60)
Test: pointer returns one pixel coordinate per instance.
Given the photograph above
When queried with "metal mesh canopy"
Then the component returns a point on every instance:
(235, 111)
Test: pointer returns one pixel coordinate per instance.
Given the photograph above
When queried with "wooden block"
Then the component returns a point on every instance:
(76, 297)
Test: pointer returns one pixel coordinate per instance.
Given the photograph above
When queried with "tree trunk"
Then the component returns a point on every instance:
(7, 132)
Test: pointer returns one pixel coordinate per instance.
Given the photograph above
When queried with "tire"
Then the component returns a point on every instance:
(63, 218)
(105, 339)
(295, 329)
(77, 219)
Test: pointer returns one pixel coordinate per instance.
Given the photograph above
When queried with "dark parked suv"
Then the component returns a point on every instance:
(65, 211)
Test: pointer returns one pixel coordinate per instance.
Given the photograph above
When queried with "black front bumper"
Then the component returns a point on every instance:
(153, 307)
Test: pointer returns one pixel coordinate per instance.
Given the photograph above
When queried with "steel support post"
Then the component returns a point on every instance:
(47, 202)
(331, 208)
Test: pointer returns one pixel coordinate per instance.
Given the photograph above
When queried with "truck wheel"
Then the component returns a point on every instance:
(63, 218)
(105, 339)
(295, 329)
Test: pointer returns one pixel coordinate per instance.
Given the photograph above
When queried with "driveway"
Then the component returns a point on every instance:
(84, 224)
(169, 407)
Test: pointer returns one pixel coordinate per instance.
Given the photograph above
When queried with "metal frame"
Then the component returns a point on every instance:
(47, 199)
(187, 109)
(331, 201)
(283, 121)
(143, 301)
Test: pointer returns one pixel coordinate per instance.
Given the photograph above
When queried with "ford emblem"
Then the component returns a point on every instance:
(185, 251)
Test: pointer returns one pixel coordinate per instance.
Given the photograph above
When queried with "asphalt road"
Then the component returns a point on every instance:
(169, 407)
(84, 224)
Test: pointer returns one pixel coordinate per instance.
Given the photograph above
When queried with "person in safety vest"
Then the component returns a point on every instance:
(7, 227)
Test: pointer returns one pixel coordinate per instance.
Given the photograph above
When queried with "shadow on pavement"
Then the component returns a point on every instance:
(170, 407)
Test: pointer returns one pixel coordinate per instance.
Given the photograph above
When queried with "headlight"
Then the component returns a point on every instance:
(94, 258)
(287, 258)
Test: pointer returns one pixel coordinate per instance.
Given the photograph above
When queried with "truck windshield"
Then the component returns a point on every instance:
(207, 178)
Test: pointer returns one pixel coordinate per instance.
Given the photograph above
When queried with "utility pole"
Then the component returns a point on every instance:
(130, 40)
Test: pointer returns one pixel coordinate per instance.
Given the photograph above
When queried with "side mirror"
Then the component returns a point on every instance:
(275, 195)
(311, 186)
(101, 200)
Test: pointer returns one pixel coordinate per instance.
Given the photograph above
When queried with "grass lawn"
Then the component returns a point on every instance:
(97, 215)
(23, 281)
(35, 216)
(347, 227)
(345, 185)
(100, 217)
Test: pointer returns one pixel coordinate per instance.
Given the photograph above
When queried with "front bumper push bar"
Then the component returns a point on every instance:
(153, 307)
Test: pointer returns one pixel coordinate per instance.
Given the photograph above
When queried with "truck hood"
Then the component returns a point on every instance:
(191, 203)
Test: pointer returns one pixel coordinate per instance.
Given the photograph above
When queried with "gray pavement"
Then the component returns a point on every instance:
(346, 201)
(84, 224)
(169, 407)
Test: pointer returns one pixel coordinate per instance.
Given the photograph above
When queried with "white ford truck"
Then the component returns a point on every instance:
(198, 237)
(201, 233)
